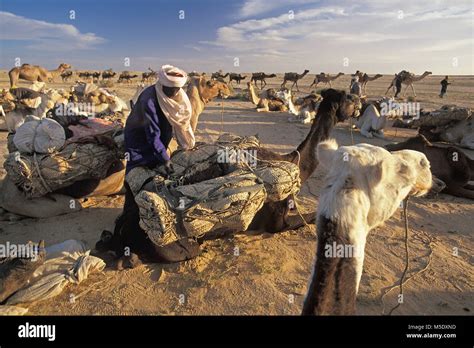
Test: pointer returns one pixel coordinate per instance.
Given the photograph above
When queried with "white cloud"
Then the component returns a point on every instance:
(257, 7)
(372, 34)
(44, 35)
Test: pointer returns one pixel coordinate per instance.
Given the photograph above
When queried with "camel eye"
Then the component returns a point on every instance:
(424, 163)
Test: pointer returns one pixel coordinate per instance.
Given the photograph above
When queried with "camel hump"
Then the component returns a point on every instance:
(25, 65)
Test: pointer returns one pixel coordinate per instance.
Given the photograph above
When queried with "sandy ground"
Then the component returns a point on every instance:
(260, 273)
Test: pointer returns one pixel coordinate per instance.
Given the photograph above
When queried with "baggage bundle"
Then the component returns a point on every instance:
(236, 188)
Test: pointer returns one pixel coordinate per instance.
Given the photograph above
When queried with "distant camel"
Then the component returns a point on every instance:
(35, 73)
(218, 75)
(408, 79)
(236, 77)
(293, 77)
(126, 76)
(108, 74)
(364, 78)
(261, 76)
(148, 76)
(326, 78)
(66, 75)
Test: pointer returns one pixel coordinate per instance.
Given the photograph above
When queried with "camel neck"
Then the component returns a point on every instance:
(320, 129)
(336, 275)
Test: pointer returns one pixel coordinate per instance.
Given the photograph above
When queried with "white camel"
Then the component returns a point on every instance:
(364, 187)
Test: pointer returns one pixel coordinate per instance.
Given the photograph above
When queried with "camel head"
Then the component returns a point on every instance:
(415, 143)
(340, 74)
(346, 105)
(209, 89)
(271, 75)
(64, 66)
(417, 169)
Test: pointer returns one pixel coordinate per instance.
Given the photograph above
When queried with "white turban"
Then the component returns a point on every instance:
(167, 76)
(177, 109)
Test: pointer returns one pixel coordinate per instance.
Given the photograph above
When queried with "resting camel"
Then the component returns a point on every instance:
(35, 73)
(201, 91)
(236, 77)
(261, 76)
(326, 78)
(363, 189)
(293, 77)
(269, 100)
(364, 79)
(448, 164)
(304, 108)
(408, 79)
(273, 216)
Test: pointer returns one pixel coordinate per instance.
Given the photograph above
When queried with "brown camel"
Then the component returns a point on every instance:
(149, 76)
(108, 74)
(408, 79)
(448, 164)
(267, 101)
(126, 76)
(218, 75)
(272, 217)
(335, 107)
(236, 77)
(201, 91)
(364, 78)
(293, 77)
(66, 75)
(35, 73)
(326, 78)
(261, 76)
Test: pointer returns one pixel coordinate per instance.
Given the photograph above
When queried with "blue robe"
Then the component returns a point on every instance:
(147, 132)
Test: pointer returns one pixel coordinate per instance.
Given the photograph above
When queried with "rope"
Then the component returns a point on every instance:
(39, 173)
(407, 260)
(350, 126)
(222, 117)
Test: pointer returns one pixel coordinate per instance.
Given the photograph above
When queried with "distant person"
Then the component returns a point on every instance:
(356, 87)
(398, 84)
(444, 86)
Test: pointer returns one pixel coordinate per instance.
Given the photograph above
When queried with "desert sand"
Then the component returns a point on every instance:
(256, 273)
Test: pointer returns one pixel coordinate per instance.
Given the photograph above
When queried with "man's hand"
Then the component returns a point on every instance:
(165, 169)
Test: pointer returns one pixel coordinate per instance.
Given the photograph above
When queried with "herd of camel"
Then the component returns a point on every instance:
(359, 195)
(38, 73)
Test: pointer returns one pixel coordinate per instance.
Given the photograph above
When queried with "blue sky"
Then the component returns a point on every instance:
(245, 35)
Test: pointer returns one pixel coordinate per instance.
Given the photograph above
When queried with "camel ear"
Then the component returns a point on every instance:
(325, 152)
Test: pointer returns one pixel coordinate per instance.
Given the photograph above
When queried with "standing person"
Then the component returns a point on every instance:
(161, 110)
(398, 84)
(444, 86)
(356, 87)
